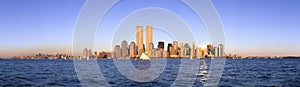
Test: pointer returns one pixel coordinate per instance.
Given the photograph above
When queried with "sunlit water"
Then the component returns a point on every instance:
(237, 72)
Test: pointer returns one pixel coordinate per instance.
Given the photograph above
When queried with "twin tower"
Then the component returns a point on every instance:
(140, 40)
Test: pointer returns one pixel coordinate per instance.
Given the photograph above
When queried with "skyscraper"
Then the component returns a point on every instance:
(90, 54)
(221, 50)
(148, 37)
(216, 51)
(210, 50)
(187, 49)
(175, 45)
(175, 48)
(132, 50)
(85, 53)
(151, 46)
(161, 45)
(182, 50)
(117, 52)
(139, 40)
(169, 48)
(204, 52)
(193, 51)
(199, 52)
(124, 49)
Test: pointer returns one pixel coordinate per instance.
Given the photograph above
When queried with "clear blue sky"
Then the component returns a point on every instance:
(252, 27)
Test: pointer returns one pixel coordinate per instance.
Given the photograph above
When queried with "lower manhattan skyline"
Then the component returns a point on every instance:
(251, 28)
(149, 43)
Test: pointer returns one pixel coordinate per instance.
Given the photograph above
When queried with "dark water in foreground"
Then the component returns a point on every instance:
(237, 72)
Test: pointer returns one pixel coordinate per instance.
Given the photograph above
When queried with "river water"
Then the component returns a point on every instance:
(237, 72)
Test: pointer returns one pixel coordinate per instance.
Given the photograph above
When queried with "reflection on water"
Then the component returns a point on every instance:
(246, 72)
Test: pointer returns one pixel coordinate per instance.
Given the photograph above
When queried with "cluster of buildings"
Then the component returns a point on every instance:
(174, 49)
(55, 55)
(87, 53)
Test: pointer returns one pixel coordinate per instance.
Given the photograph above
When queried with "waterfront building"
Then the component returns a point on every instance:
(117, 52)
(193, 51)
(199, 52)
(152, 53)
(161, 45)
(169, 48)
(187, 49)
(139, 40)
(151, 47)
(210, 49)
(182, 50)
(221, 50)
(132, 50)
(148, 38)
(85, 53)
(159, 53)
(204, 52)
(216, 51)
(124, 49)
(175, 45)
(90, 54)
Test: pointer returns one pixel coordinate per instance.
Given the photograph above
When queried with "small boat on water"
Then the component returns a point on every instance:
(203, 71)
(203, 66)
(144, 56)
(203, 79)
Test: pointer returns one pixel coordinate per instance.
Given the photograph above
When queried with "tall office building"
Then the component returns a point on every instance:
(90, 54)
(199, 52)
(221, 50)
(204, 52)
(193, 50)
(159, 53)
(151, 52)
(175, 45)
(216, 51)
(139, 40)
(210, 50)
(175, 48)
(148, 38)
(169, 48)
(132, 50)
(151, 46)
(182, 50)
(161, 45)
(85, 53)
(117, 52)
(124, 49)
(187, 48)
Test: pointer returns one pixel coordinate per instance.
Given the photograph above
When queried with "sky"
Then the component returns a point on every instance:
(251, 27)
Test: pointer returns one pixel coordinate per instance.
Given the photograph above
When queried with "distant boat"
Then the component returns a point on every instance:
(203, 69)
(203, 66)
(203, 79)
(144, 56)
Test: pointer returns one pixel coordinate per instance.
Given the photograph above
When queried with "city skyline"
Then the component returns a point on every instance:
(174, 50)
(250, 27)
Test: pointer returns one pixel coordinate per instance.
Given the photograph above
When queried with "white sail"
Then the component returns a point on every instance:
(203, 66)
(144, 57)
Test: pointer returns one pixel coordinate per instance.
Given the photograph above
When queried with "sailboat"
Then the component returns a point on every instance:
(203, 66)
(144, 57)
(203, 69)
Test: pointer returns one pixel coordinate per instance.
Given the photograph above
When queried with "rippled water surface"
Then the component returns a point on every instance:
(237, 72)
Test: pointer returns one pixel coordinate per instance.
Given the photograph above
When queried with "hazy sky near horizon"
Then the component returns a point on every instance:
(252, 27)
